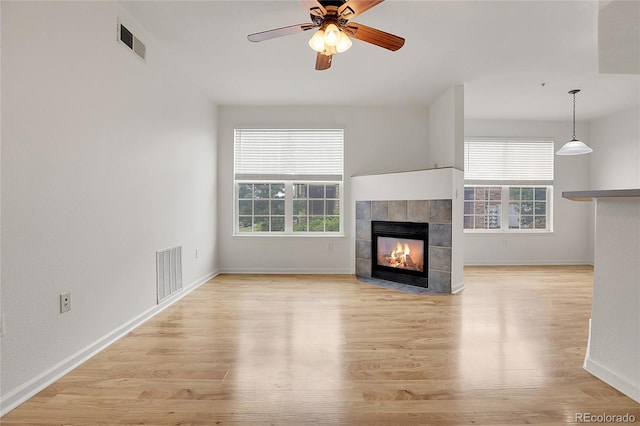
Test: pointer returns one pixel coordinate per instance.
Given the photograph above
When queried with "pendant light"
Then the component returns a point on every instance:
(574, 146)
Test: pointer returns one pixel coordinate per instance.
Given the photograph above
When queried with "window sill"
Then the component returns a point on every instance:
(273, 235)
(509, 232)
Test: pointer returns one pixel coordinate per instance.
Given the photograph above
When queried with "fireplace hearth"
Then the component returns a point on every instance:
(399, 252)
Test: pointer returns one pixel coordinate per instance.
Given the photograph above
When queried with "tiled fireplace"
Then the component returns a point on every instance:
(421, 257)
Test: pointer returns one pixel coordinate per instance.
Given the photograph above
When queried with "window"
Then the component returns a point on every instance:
(288, 182)
(316, 207)
(261, 207)
(508, 184)
(527, 207)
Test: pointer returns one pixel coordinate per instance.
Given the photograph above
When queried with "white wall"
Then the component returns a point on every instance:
(432, 184)
(613, 354)
(446, 149)
(569, 243)
(105, 159)
(377, 140)
(446, 130)
(614, 351)
(615, 161)
(1, 311)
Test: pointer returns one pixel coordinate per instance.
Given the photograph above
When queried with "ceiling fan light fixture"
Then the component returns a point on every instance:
(329, 50)
(330, 19)
(574, 146)
(317, 41)
(344, 43)
(331, 35)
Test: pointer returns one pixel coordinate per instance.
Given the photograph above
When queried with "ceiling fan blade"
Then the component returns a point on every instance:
(373, 36)
(353, 8)
(323, 62)
(315, 8)
(279, 32)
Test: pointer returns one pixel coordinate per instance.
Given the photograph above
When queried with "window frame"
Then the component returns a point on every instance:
(505, 210)
(269, 215)
(501, 173)
(288, 210)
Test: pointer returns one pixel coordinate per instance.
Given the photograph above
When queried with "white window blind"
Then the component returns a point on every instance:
(289, 154)
(508, 161)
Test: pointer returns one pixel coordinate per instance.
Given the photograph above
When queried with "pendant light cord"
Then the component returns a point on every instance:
(574, 116)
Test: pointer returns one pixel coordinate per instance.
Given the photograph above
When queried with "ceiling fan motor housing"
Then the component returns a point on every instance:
(336, 3)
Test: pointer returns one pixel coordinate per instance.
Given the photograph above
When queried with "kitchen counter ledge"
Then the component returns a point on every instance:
(605, 193)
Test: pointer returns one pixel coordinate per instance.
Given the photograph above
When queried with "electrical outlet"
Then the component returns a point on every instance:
(2, 327)
(197, 253)
(330, 247)
(65, 302)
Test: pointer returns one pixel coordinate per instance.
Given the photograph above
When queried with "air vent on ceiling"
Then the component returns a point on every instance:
(131, 41)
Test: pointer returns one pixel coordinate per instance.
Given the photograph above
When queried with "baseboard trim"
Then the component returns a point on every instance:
(632, 390)
(25, 391)
(588, 351)
(531, 263)
(457, 288)
(261, 271)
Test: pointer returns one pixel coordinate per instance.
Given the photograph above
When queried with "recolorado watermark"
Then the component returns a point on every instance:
(604, 418)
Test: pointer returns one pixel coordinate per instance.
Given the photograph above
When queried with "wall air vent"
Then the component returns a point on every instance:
(168, 272)
(131, 41)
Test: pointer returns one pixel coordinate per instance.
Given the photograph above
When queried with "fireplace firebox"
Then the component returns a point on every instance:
(399, 252)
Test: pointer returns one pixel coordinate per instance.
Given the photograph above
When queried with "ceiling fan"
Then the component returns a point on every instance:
(332, 19)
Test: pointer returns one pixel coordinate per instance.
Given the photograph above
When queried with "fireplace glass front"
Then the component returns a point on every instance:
(399, 252)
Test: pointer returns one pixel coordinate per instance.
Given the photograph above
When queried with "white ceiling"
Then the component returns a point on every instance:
(502, 51)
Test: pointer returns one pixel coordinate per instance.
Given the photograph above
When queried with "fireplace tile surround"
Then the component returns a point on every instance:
(437, 213)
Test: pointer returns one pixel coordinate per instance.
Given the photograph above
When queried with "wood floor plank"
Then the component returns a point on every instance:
(327, 349)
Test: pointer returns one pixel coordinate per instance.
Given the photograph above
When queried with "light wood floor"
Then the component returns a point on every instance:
(328, 350)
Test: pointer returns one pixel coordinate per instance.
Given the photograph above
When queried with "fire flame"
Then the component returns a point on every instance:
(399, 255)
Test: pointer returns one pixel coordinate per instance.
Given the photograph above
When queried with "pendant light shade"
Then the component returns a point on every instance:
(574, 146)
